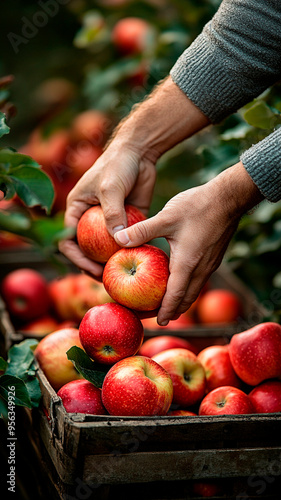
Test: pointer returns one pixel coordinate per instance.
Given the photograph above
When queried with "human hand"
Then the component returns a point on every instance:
(121, 173)
(198, 225)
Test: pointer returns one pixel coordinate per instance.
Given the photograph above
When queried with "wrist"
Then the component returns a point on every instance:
(164, 119)
(237, 191)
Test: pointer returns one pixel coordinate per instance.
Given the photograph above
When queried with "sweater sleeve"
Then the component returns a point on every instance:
(235, 58)
(263, 163)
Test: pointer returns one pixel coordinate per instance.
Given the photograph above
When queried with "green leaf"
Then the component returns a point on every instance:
(17, 223)
(21, 365)
(261, 115)
(4, 129)
(7, 382)
(3, 409)
(86, 367)
(11, 159)
(33, 187)
(21, 357)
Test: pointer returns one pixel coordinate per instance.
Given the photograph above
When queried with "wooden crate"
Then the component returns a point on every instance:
(157, 458)
(103, 453)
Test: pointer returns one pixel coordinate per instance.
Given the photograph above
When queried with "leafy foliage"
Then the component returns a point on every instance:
(94, 372)
(20, 375)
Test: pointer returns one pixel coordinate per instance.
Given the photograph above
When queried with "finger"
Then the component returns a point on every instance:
(112, 202)
(71, 250)
(182, 267)
(141, 232)
(73, 213)
(175, 293)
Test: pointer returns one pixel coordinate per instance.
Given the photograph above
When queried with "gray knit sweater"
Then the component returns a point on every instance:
(235, 58)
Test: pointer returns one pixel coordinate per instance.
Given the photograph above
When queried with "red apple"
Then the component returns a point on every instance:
(152, 346)
(40, 327)
(226, 400)
(62, 291)
(218, 368)
(10, 240)
(256, 353)
(137, 277)
(93, 237)
(137, 386)
(81, 396)
(219, 306)
(51, 356)
(87, 293)
(110, 332)
(132, 35)
(81, 157)
(183, 322)
(25, 292)
(187, 374)
(207, 489)
(181, 413)
(91, 125)
(266, 397)
(48, 150)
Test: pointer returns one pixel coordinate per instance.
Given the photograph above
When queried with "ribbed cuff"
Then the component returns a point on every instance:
(263, 163)
(202, 76)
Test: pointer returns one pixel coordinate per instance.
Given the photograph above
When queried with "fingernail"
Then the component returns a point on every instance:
(164, 323)
(117, 228)
(122, 237)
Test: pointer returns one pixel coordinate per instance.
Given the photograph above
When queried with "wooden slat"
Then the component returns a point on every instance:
(182, 465)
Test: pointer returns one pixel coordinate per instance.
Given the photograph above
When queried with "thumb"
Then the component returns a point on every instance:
(140, 233)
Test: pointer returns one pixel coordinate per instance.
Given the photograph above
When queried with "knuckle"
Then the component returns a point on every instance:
(141, 230)
(111, 213)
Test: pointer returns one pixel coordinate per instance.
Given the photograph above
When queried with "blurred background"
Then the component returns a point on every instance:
(79, 66)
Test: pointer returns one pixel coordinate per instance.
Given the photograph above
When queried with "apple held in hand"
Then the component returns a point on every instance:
(226, 400)
(93, 237)
(81, 396)
(52, 358)
(137, 386)
(256, 353)
(110, 332)
(137, 277)
(25, 292)
(218, 368)
(152, 346)
(266, 397)
(187, 374)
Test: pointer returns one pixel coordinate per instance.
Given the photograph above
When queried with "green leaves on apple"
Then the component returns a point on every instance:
(90, 370)
(19, 374)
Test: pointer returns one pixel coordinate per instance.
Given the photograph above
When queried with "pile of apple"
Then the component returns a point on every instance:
(146, 379)
(38, 307)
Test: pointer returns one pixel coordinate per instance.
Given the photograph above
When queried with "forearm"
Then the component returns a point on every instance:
(164, 119)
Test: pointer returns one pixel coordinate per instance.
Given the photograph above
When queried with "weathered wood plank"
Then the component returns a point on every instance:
(182, 465)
